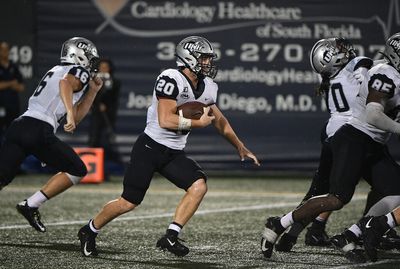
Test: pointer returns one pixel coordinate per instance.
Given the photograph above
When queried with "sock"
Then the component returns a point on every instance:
(391, 221)
(287, 220)
(174, 229)
(318, 223)
(37, 199)
(92, 228)
(296, 229)
(350, 236)
(355, 230)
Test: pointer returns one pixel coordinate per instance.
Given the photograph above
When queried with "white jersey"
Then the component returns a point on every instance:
(45, 104)
(342, 96)
(386, 79)
(173, 84)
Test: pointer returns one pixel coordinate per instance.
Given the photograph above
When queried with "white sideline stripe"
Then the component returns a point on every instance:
(200, 212)
(367, 264)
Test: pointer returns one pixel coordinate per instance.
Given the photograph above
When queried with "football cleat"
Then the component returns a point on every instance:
(286, 243)
(173, 245)
(32, 215)
(317, 237)
(373, 230)
(346, 242)
(391, 240)
(272, 230)
(88, 241)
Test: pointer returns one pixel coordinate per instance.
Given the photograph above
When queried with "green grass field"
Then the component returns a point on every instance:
(225, 232)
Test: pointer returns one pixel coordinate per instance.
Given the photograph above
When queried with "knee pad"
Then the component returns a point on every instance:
(74, 179)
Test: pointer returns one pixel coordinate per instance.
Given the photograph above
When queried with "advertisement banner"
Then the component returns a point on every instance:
(266, 85)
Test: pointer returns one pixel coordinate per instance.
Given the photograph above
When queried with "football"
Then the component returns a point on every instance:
(191, 110)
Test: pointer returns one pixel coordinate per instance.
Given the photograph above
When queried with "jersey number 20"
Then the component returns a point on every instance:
(165, 87)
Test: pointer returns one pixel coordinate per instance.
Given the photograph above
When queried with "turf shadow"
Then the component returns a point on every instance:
(172, 263)
(54, 246)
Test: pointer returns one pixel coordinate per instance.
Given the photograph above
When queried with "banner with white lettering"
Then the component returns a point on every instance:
(266, 85)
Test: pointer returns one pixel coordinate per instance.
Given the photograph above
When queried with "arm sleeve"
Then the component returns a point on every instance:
(375, 116)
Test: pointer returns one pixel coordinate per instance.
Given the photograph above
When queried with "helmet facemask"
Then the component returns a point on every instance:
(329, 56)
(197, 54)
(205, 65)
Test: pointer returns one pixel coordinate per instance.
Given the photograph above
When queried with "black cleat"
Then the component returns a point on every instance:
(317, 237)
(373, 230)
(173, 245)
(345, 242)
(32, 215)
(286, 243)
(356, 256)
(389, 241)
(272, 230)
(88, 241)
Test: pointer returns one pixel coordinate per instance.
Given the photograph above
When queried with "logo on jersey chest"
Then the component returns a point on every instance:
(185, 93)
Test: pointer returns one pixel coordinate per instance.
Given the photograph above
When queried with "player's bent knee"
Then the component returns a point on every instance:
(78, 169)
(74, 179)
(336, 203)
(125, 205)
(198, 188)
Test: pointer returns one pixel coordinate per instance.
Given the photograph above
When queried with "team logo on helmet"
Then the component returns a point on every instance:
(395, 43)
(190, 46)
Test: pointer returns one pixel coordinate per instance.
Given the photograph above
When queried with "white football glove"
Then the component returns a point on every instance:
(361, 74)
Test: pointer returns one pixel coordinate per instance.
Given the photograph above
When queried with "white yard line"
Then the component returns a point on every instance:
(162, 215)
(367, 264)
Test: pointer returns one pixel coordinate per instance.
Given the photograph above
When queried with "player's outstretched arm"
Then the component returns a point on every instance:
(83, 107)
(226, 130)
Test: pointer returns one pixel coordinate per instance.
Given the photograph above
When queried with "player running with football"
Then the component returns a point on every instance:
(65, 91)
(160, 148)
(358, 150)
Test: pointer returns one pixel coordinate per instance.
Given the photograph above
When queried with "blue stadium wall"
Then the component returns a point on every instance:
(266, 86)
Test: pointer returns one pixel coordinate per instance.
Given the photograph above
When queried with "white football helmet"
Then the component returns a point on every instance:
(328, 56)
(392, 50)
(80, 51)
(190, 50)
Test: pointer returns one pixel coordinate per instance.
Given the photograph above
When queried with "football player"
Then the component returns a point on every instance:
(339, 88)
(66, 91)
(383, 95)
(160, 148)
(358, 150)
